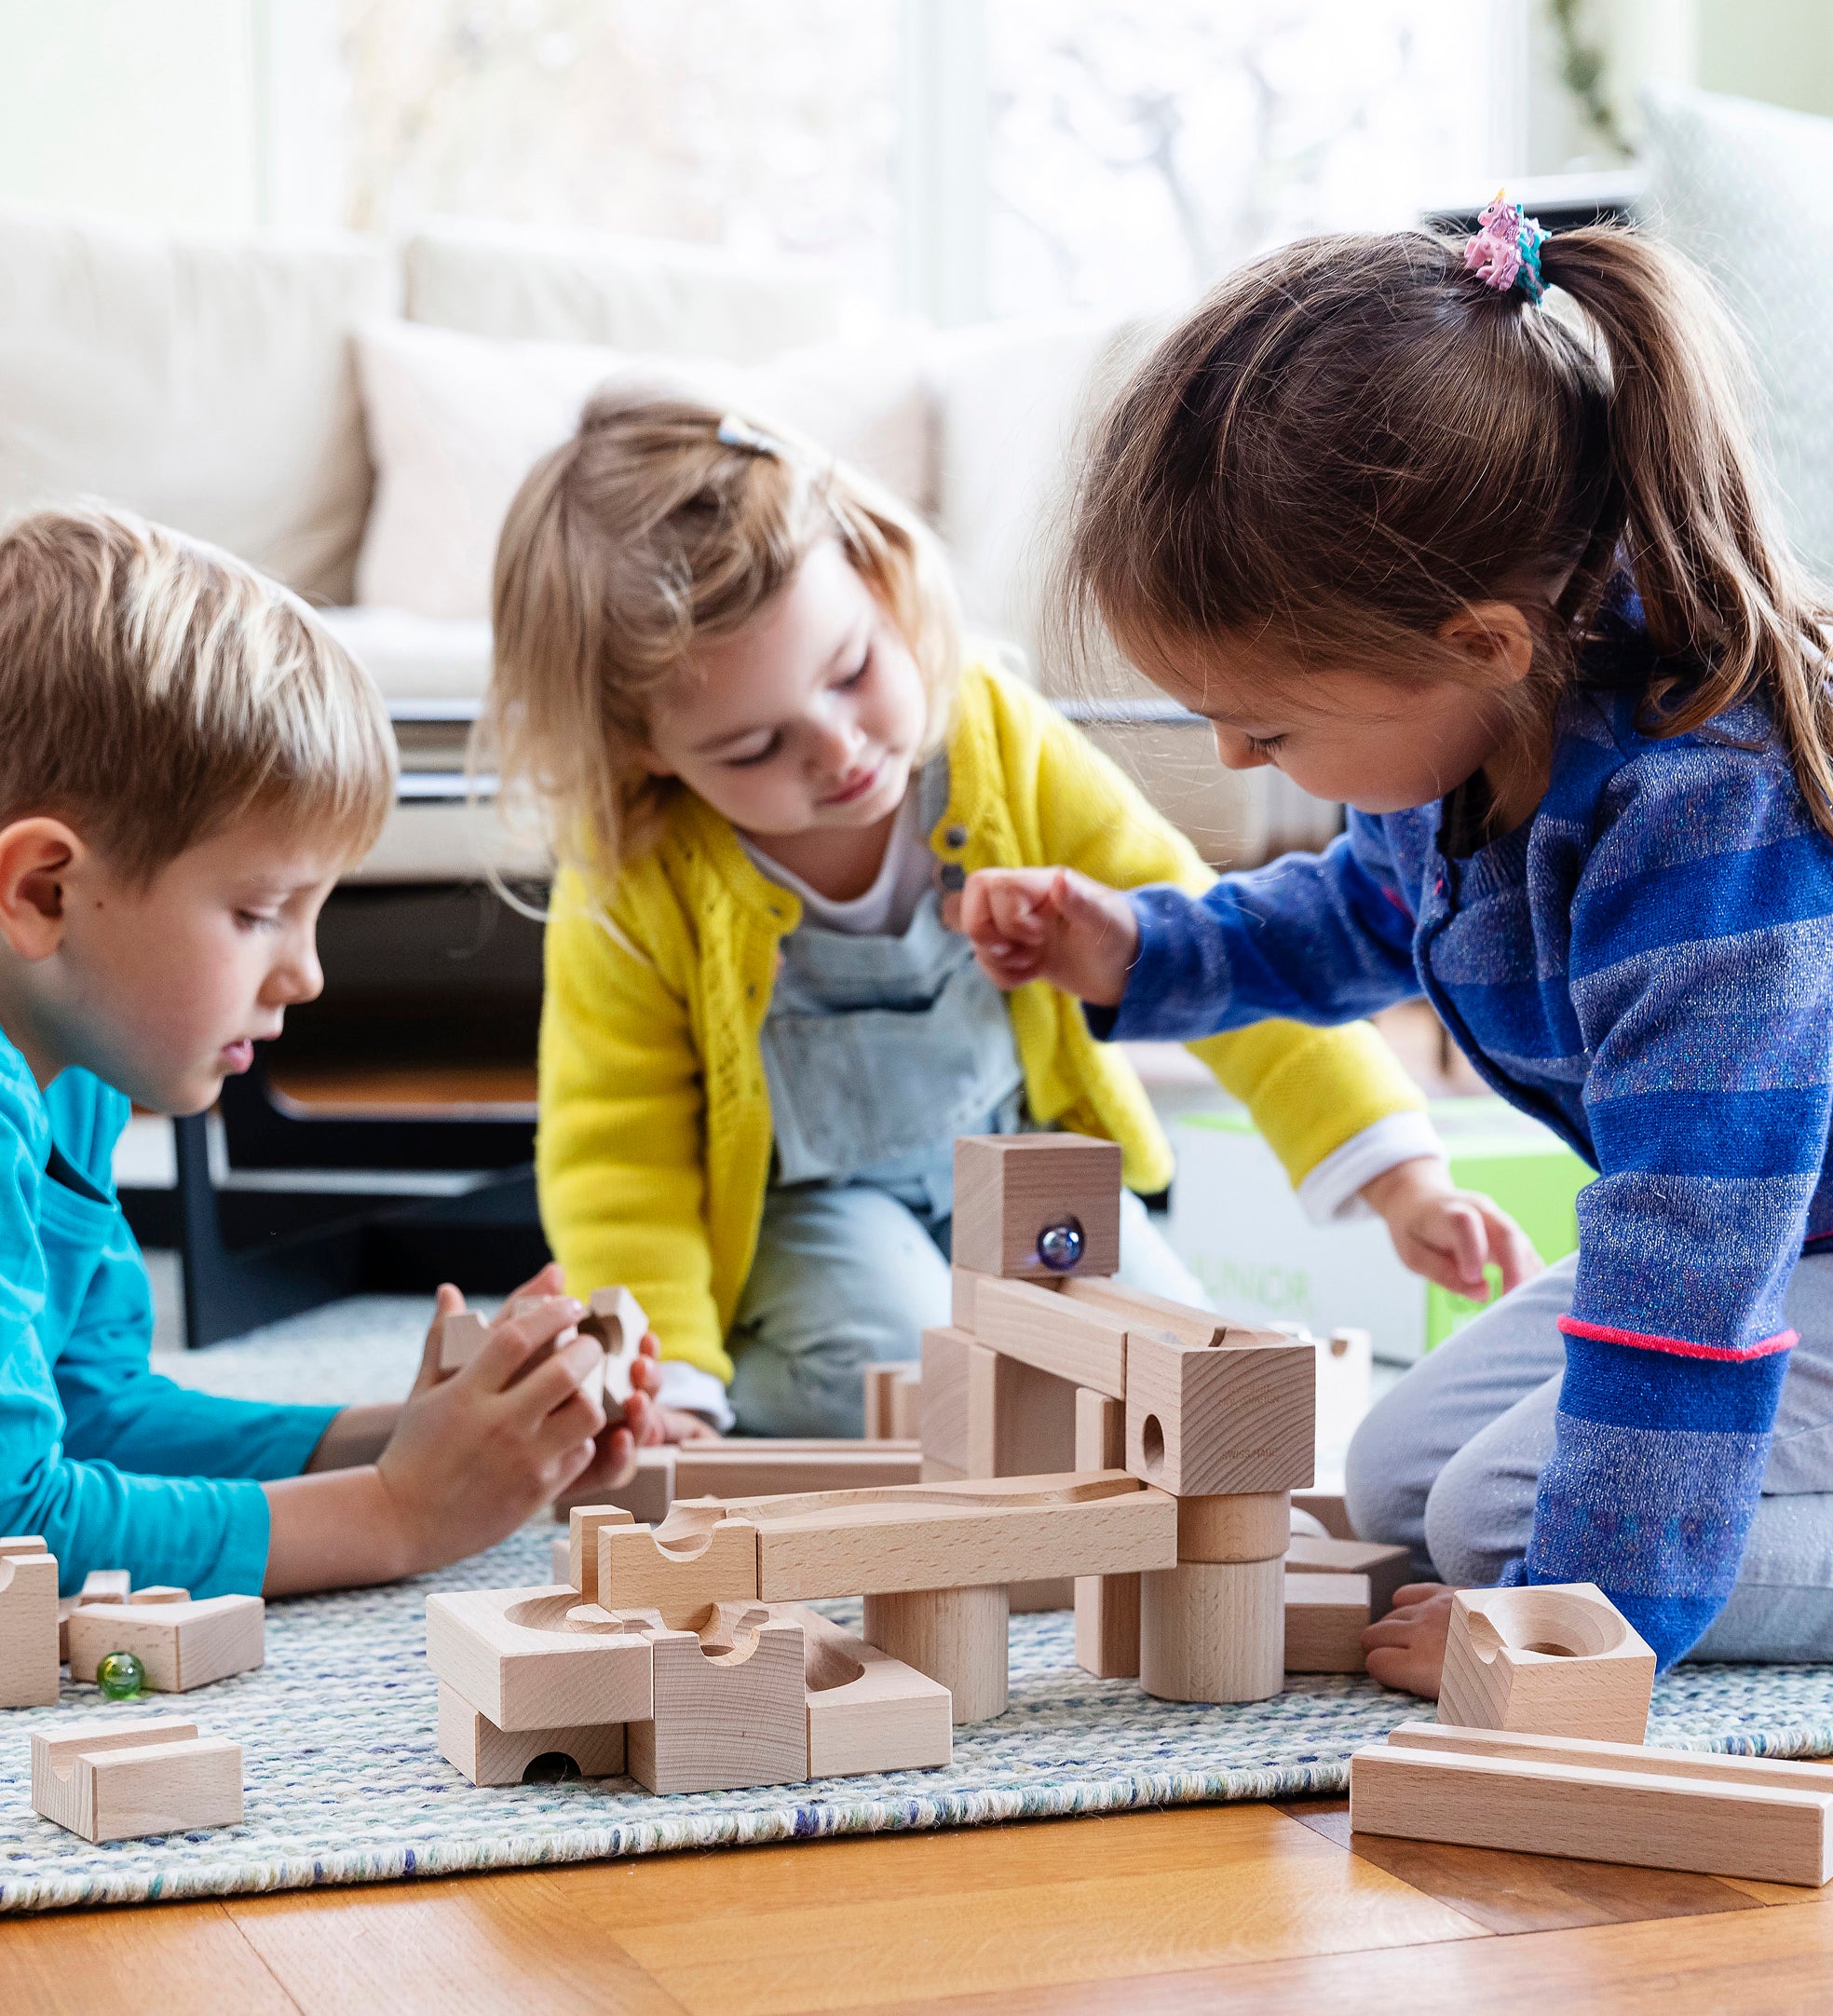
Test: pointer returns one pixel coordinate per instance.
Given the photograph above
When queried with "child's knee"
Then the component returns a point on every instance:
(1383, 1492)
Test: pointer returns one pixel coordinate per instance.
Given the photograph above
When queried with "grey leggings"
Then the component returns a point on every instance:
(1448, 1461)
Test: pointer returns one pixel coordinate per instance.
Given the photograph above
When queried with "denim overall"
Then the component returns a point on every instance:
(877, 1051)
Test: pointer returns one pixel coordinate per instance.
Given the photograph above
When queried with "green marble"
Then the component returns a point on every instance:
(121, 1676)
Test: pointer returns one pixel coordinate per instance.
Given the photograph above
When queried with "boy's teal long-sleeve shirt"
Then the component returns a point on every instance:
(115, 1466)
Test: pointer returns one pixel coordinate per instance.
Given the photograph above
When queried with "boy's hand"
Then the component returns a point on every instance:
(1049, 924)
(1450, 1236)
(450, 1303)
(1406, 1648)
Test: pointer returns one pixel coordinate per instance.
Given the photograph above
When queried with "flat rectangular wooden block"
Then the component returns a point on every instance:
(538, 1658)
(1141, 1309)
(109, 1781)
(1325, 1616)
(1387, 1568)
(867, 1711)
(724, 1719)
(29, 1625)
(1550, 1659)
(760, 1467)
(1760, 1830)
(1021, 1421)
(470, 1742)
(1080, 1342)
(1202, 1420)
(182, 1644)
(694, 1559)
(1106, 1606)
(945, 1395)
(1010, 1189)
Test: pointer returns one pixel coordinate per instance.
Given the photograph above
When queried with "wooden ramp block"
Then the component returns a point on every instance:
(1212, 1631)
(1083, 1343)
(867, 1711)
(1037, 1206)
(1208, 1419)
(749, 1468)
(470, 1742)
(958, 1636)
(538, 1658)
(1106, 1606)
(180, 1645)
(1554, 1659)
(1387, 1568)
(730, 1708)
(1141, 1309)
(109, 1781)
(29, 1623)
(695, 1557)
(1325, 1616)
(1745, 1817)
(944, 1436)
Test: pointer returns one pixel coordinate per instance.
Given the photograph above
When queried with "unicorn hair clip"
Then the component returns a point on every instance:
(1506, 250)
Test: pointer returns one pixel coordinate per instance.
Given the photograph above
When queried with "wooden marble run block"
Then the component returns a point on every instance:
(935, 1471)
(1325, 1616)
(1106, 1606)
(1011, 1189)
(957, 1637)
(647, 1494)
(1236, 1526)
(893, 1399)
(182, 1644)
(1083, 1343)
(1141, 1309)
(115, 1781)
(584, 1524)
(730, 1707)
(1212, 1631)
(560, 1559)
(538, 1658)
(1554, 1659)
(615, 1317)
(100, 1586)
(1759, 1819)
(760, 1466)
(695, 1557)
(1207, 1419)
(867, 1711)
(1387, 1568)
(470, 1742)
(1021, 1422)
(944, 1426)
(1328, 1508)
(29, 1623)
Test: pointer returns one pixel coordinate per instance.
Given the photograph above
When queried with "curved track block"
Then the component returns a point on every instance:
(1554, 1659)
(1212, 1631)
(615, 1317)
(115, 1781)
(730, 1706)
(867, 1711)
(538, 1658)
(695, 1557)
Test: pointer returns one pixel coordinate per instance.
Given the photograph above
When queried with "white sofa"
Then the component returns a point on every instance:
(352, 414)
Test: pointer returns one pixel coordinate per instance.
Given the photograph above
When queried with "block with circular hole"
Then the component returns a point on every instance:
(1557, 1659)
(1037, 1206)
(1238, 1416)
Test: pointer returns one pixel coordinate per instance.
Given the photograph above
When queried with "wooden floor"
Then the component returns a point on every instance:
(1203, 1908)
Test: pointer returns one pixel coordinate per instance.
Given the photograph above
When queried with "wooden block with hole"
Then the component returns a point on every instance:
(182, 1644)
(470, 1742)
(1387, 1568)
(1759, 1819)
(1554, 1659)
(115, 1781)
(1106, 1606)
(867, 1711)
(1209, 1419)
(730, 1706)
(538, 1658)
(1024, 1202)
(696, 1557)
(29, 1623)
(1325, 1616)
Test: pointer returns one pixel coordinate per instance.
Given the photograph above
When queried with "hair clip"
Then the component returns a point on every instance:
(733, 432)
(1505, 250)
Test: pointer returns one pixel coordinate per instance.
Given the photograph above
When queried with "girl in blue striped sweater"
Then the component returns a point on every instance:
(1504, 579)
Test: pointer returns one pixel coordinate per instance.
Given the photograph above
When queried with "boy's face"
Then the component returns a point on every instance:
(163, 989)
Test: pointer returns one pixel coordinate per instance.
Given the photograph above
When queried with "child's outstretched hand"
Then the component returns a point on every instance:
(1051, 924)
(1406, 1648)
(1450, 1236)
(648, 1421)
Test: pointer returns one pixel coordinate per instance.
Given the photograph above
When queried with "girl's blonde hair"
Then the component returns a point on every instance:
(1355, 437)
(643, 536)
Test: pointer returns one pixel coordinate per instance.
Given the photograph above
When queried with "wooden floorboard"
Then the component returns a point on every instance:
(158, 1960)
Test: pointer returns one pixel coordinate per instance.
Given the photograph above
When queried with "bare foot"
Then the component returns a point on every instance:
(1406, 1648)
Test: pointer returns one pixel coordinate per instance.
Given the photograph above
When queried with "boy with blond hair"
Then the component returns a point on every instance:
(188, 761)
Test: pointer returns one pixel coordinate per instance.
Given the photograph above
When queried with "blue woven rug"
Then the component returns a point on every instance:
(346, 1785)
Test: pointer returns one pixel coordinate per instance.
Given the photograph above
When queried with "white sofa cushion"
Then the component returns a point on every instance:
(631, 293)
(1736, 185)
(206, 383)
(456, 421)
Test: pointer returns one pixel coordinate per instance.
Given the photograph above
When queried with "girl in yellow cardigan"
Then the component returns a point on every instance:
(728, 671)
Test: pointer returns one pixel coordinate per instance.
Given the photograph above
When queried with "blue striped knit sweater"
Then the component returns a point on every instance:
(1646, 966)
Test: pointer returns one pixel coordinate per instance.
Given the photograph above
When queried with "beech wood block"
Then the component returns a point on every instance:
(29, 1623)
(1328, 1508)
(1084, 1342)
(938, 1536)
(1236, 1526)
(615, 1317)
(956, 1636)
(1106, 1606)
(538, 1658)
(962, 1282)
(560, 1559)
(1021, 1421)
(1203, 1419)
(1754, 1818)
(1140, 1310)
(100, 1586)
(945, 1353)
(935, 1471)
(1556, 1659)
(760, 1467)
(1387, 1568)
(584, 1524)
(470, 1742)
(1010, 1189)
(1325, 1616)
(1212, 1631)
(695, 1557)
(867, 1711)
(647, 1497)
(884, 1379)
(109, 1781)
(180, 1645)
(23, 1543)
(730, 1706)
